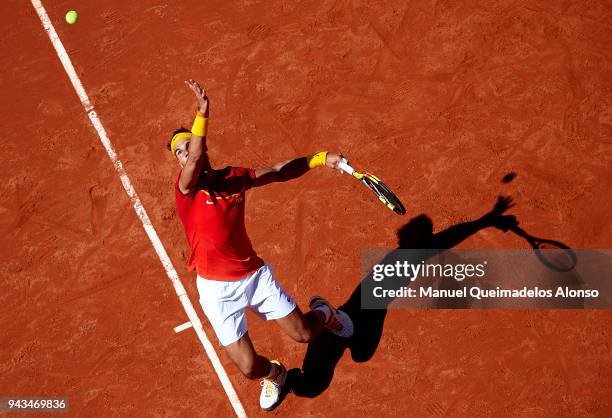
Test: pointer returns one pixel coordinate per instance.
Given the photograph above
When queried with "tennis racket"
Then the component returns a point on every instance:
(375, 184)
(553, 254)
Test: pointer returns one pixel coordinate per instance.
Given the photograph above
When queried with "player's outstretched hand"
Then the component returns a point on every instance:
(333, 159)
(200, 94)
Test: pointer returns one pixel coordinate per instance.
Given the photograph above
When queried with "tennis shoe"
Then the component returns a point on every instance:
(339, 322)
(271, 388)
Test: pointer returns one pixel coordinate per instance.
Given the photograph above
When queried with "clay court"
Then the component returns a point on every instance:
(441, 99)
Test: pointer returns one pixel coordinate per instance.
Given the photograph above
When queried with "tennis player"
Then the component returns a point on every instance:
(231, 277)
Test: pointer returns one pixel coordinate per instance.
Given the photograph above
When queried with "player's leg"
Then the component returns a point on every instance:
(270, 301)
(252, 365)
(302, 327)
(224, 304)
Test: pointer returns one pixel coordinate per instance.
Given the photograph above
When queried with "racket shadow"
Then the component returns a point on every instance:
(325, 350)
(553, 254)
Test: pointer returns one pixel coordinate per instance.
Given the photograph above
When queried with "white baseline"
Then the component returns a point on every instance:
(140, 211)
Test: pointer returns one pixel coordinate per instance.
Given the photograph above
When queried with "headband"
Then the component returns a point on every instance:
(176, 137)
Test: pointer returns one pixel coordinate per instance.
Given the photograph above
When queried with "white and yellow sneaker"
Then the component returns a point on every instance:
(271, 388)
(339, 322)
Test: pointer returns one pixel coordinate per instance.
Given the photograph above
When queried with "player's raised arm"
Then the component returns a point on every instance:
(291, 169)
(195, 147)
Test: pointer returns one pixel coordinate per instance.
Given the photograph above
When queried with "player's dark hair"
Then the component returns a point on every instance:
(178, 131)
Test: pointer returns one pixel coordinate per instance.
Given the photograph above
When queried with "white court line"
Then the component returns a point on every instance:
(140, 211)
(183, 327)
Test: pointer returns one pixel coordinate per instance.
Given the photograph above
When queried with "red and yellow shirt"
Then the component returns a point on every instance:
(213, 217)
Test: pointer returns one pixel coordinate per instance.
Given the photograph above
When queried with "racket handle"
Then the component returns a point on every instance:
(342, 165)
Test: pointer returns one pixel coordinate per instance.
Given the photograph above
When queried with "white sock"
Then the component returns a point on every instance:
(326, 311)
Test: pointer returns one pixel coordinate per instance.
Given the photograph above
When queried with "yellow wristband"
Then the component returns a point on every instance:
(200, 125)
(317, 160)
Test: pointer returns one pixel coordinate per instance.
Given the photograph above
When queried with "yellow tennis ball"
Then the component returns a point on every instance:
(72, 17)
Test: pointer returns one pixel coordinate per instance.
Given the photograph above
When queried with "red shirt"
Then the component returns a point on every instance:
(220, 247)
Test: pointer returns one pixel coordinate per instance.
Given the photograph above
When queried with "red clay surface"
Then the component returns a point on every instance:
(440, 99)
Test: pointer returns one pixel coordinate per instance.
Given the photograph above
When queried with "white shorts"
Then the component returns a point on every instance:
(224, 302)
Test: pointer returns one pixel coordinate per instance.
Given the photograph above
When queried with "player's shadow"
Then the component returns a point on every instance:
(325, 350)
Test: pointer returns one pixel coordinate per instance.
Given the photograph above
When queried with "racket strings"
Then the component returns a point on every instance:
(385, 195)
